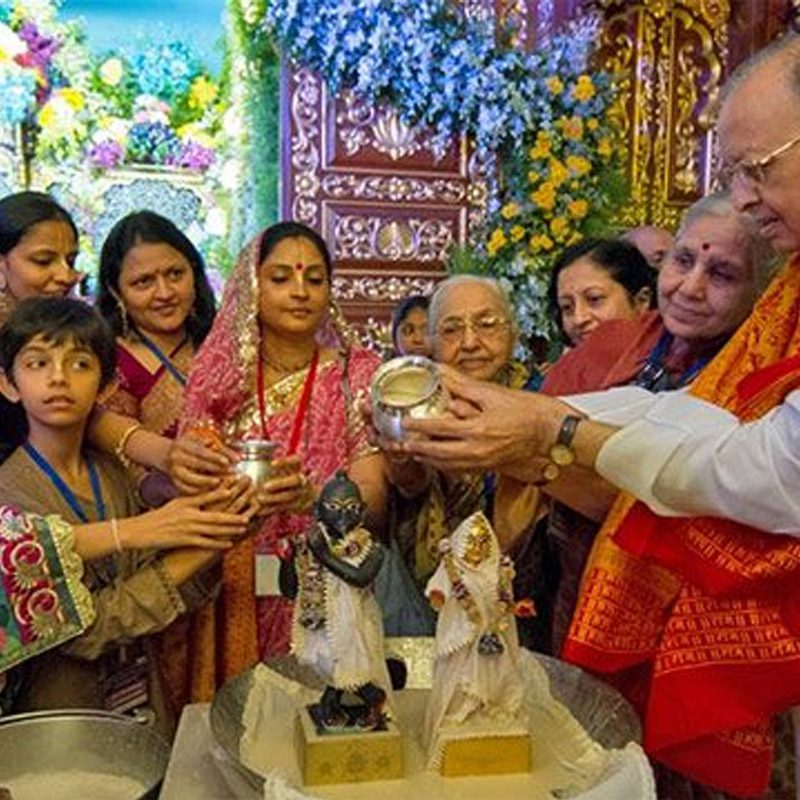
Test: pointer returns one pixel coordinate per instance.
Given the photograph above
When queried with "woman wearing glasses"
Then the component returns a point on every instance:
(472, 330)
(707, 286)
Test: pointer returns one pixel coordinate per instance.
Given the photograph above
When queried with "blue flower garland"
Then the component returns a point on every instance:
(539, 120)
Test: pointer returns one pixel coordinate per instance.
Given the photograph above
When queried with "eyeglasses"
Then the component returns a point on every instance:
(486, 327)
(755, 170)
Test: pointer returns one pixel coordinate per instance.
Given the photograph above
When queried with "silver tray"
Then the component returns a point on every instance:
(601, 710)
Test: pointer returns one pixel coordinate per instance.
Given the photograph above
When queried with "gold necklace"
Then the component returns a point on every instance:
(284, 368)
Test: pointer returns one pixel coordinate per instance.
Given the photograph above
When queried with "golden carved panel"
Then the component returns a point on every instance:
(668, 56)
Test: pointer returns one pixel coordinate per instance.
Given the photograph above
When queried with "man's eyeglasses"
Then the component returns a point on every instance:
(754, 171)
(452, 329)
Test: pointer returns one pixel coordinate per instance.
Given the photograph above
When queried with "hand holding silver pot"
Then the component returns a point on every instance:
(406, 387)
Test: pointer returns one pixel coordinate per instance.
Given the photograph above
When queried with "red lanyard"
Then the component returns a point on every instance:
(302, 406)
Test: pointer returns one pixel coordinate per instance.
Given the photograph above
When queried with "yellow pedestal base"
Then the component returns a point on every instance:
(486, 755)
(347, 757)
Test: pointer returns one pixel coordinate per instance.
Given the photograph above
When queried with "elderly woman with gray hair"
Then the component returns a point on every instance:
(472, 329)
(707, 286)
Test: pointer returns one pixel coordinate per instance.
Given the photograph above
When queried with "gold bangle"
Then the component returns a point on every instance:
(119, 450)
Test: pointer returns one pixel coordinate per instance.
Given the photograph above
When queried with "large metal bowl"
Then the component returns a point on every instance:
(600, 709)
(85, 740)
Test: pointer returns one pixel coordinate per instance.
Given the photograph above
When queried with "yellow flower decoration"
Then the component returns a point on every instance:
(573, 128)
(542, 147)
(73, 98)
(48, 117)
(558, 173)
(559, 227)
(584, 89)
(517, 232)
(592, 124)
(578, 209)
(202, 93)
(578, 165)
(545, 196)
(509, 211)
(533, 176)
(111, 71)
(555, 84)
(604, 147)
(496, 241)
(541, 242)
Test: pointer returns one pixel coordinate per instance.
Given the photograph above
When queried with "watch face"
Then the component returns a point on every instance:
(561, 455)
(550, 472)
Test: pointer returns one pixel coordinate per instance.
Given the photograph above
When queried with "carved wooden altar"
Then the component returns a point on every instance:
(390, 210)
(387, 204)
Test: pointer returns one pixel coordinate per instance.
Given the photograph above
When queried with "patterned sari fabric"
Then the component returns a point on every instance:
(222, 405)
(156, 400)
(698, 619)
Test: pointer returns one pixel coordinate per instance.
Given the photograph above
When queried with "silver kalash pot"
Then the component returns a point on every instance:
(408, 386)
(255, 459)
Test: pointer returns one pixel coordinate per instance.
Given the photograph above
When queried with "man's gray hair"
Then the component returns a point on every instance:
(435, 307)
(786, 46)
(763, 259)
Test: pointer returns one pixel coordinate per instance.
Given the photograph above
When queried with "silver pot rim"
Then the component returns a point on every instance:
(395, 365)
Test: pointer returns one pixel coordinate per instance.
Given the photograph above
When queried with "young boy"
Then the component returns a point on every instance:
(56, 355)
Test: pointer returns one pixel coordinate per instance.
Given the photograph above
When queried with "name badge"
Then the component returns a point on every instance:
(267, 575)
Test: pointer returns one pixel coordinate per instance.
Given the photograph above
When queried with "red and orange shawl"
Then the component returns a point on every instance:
(698, 619)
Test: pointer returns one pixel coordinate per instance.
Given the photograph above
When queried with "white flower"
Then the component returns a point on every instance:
(111, 71)
(216, 222)
(10, 44)
(229, 175)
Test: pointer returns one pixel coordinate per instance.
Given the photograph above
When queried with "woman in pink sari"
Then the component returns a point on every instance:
(265, 373)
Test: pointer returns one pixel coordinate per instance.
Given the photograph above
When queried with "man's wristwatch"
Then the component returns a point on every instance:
(561, 453)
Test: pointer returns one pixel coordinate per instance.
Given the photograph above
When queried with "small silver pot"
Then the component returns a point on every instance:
(408, 386)
(90, 741)
(255, 459)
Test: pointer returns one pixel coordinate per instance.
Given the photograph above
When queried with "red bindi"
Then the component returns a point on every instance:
(706, 245)
(299, 267)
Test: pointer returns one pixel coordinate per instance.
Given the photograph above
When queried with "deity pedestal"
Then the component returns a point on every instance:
(486, 755)
(347, 757)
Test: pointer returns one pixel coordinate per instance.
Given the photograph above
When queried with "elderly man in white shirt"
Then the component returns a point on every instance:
(685, 457)
(677, 453)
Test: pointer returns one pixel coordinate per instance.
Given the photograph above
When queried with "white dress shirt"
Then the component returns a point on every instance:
(686, 457)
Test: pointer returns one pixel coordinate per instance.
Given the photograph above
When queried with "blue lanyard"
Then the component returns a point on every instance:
(64, 490)
(654, 376)
(164, 359)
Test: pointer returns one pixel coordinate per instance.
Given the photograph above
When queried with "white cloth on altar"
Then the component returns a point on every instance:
(566, 762)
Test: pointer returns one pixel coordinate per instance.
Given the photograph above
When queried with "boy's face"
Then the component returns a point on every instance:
(57, 384)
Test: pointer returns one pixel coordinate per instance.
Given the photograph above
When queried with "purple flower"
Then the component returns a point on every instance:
(106, 154)
(193, 156)
(41, 48)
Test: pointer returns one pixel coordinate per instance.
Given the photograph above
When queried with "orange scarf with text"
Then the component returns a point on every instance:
(697, 620)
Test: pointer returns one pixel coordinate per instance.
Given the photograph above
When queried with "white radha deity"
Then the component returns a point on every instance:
(477, 682)
(337, 627)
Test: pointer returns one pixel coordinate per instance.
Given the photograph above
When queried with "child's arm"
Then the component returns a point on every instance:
(184, 522)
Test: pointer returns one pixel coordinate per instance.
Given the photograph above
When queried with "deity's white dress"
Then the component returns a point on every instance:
(337, 628)
(470, 686)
